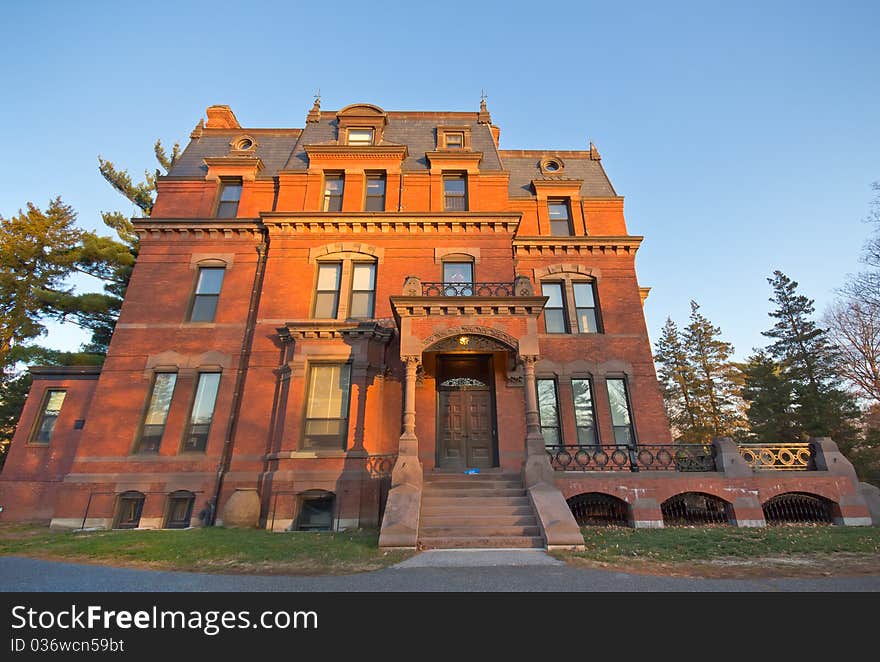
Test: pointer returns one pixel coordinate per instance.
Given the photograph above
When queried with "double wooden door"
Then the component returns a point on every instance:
(466, 431)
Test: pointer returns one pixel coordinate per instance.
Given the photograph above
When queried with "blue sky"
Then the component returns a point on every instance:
(744, 136)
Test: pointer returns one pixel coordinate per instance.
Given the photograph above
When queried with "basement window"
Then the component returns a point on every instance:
(128, 510)
(316, 511)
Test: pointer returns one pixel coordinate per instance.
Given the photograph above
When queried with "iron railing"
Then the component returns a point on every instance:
(798, 508)
(617, 457)
(779, 457)
(468, 289)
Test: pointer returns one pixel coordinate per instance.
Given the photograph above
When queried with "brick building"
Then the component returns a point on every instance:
(326, 326)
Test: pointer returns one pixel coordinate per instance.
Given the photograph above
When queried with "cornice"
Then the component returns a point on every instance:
(237, 161)
(409, 306)
(176, 229)
(623, 245)
(334, 330)
(557, 183)
(454, 155)
(390, 222)
(358, 152)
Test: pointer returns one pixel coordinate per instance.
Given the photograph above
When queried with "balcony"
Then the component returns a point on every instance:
(468, 289)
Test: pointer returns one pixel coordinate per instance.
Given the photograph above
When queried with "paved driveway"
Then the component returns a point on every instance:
(457, 572)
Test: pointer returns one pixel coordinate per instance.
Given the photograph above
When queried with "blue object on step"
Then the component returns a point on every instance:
(471, 471)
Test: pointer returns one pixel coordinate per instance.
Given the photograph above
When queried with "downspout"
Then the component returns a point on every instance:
(243, 360)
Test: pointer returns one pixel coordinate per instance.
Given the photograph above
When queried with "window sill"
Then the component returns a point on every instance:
(314, 454)
(37, 444)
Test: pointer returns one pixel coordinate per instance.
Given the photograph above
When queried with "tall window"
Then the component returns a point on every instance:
(621, 415)
(326, 424)
(157, 412)
(363, 290)
(458, 279)
(333, 187)
(584, 414)
(48, 416)
(129, 506)
(585, 307)
(560, 218)
(554, 311)
(360, 137)
(375, 192)
(454, 193)
(202, 412)
(230, 195)
(207, 294)
(327, 294)
(548, 411)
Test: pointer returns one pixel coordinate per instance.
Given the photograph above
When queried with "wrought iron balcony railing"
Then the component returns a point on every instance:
(779, 457)
(468, 289)
(616, 457)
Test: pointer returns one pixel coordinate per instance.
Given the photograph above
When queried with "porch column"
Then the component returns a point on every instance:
(537, 467)
(409, 443)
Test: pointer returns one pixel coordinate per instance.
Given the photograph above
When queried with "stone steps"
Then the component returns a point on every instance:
(476, 511)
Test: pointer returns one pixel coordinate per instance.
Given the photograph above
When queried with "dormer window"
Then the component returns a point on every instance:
(454, 140)
(360, 137)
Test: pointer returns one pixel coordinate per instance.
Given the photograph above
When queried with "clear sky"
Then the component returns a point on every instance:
(744, 136)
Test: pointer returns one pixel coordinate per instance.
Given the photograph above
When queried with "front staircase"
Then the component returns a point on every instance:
(476, 511)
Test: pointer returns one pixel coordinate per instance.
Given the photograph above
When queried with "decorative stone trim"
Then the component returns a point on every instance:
(576, 246)
(333, 330)
(346, 247)
(467, 306)
(558, 269)
(505, 339)
(225, 260)
(442, 253)
(196, 229)
(388, 223)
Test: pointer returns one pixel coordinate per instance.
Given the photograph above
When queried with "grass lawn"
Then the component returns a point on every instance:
(212, 549)
(728, 551)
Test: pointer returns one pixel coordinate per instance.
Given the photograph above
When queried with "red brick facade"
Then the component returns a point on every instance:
(265, 336)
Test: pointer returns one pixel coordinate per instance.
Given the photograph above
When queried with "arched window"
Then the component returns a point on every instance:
(597, 509)
(129, 506)
(691, 508)
(178, 512)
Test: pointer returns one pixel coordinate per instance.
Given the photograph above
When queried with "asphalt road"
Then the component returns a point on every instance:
(21, 574)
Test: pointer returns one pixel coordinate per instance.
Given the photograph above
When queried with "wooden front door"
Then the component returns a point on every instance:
(465, 413)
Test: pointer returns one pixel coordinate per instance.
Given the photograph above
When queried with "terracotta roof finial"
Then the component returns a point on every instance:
(594, 153)
(484, 117)
(197, 132)
(315, 113)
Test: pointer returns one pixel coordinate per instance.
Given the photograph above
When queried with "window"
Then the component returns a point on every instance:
(621, 416)
(363, 290)
(585, 307)
(207, 294)
(230, 195)
(458, 279)
(548, 411)
(48, 416)
(128, 510)
(584, 414)
(326, 425)
(360, 137)
(315, 511)
(202, 412)
(327, 293)
(157, 412)
(375, 192)
(333, 187)
(454, 140)
(554, 311)
(454, 193)
(560, 218)
(179, 513)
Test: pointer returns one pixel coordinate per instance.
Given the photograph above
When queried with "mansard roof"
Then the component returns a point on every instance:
(282, 150)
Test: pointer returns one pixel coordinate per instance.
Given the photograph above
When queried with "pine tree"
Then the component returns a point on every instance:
(770, 401)
(677, 380)
(715, 392)
(809, 362)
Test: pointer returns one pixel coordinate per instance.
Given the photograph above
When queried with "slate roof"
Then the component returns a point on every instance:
(284, 149)
(272, 148)
(523, 169)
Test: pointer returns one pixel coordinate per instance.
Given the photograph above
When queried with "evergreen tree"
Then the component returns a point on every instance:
(715, 392)
(770, 401)
(678, 381)
(809, 362)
